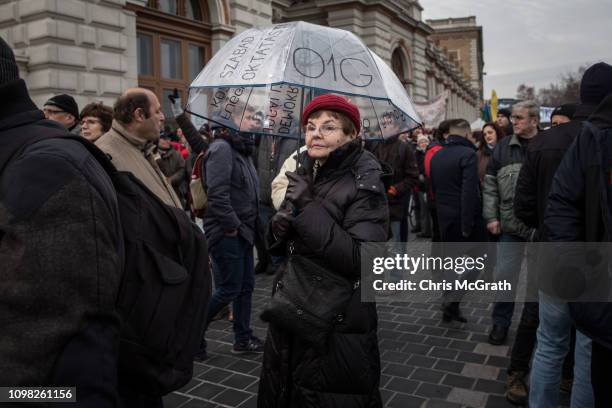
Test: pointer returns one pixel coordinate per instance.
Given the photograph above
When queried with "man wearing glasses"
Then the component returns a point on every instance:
(63, 109)
(498, 211)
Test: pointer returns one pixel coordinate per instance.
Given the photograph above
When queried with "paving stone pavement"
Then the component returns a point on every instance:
(424, 362)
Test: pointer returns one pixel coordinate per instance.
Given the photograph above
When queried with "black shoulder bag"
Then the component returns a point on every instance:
(309, 300)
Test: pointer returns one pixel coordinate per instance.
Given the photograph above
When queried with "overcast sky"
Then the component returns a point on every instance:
(533, 42)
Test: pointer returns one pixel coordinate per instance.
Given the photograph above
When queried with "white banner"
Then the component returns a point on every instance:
(433, 112)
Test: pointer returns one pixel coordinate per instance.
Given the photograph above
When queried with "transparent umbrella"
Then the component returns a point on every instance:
(260, 81)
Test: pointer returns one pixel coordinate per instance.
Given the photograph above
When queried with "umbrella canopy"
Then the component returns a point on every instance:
(261, 79)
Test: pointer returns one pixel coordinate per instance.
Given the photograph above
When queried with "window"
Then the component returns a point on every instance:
(453, 55)
(168, 6)
(400, 64)
(191, 9)
(145, 54)
(196, 61)
(173, 44)
(171, 59)
(397, 64)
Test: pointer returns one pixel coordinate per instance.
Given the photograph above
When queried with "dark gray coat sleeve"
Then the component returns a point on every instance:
(196, 142)
(219, 164)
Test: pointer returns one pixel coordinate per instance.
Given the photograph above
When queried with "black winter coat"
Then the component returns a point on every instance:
(580, 208)
(351, 208)
(399, 156)
(61, 259)
(456, 186)
(543, 155)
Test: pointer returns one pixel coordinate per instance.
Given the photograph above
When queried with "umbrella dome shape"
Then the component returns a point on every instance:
(260, 81)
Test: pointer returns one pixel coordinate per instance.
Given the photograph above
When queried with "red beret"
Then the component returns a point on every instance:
(333, 103)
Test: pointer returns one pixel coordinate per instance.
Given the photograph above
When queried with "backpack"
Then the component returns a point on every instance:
(197, 185)
(166, 284)
(199, 198)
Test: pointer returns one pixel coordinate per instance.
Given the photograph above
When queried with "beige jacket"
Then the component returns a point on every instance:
(133, 154)
(280, 182)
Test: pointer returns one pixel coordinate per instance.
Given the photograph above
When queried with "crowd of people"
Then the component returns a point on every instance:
(509, 182)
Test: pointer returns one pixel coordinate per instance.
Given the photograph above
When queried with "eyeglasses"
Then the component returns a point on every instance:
(52, 111)
(324, 130)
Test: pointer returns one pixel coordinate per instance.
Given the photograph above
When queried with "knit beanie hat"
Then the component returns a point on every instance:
(333, 103)
(504, 112)
(8, 65)
(567, 110)
(65, 103)
(596, 83)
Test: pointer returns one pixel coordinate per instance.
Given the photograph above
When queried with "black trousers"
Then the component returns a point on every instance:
(601, 361)
(524, 343)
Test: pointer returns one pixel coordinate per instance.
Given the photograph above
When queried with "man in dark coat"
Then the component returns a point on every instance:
(579, 210)
(60, 251)
(454, 177)
(456, 186)
(398, 156)
(542, 159)
(229, 225)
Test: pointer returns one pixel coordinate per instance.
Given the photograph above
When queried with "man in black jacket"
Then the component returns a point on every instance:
(229, 224)
(454, 178)
(542, 159)
(399, 156)
(579, 210)
(60, 241)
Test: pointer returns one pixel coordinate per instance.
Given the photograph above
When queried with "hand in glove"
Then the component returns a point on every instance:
(298, 191)
(175, 103)
(281, 224)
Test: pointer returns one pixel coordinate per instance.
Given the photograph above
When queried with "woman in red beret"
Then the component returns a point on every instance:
(334, 201)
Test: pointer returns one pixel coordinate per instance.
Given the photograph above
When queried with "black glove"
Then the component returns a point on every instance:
(281, 224)
(298, 190)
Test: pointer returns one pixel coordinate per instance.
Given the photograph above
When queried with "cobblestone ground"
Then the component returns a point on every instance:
(425, 363)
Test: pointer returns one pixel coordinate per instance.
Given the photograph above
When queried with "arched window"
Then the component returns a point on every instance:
(173, 45)
(400, 63)
(191, 9)
(397, 64)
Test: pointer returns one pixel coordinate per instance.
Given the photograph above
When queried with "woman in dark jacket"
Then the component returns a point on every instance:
(491, 134)
(335, 202)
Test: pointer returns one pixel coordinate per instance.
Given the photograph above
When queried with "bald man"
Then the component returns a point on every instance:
(131, 142)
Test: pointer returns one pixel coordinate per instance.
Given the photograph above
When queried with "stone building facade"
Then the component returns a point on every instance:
(461, 41)
(94, 49)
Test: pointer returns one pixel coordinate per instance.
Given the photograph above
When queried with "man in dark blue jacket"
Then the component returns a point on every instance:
(579, 210)
(454, 177)
(229, 224)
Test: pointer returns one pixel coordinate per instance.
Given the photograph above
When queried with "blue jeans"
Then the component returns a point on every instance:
(234, 274)
(554, 335)
(508, 267)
